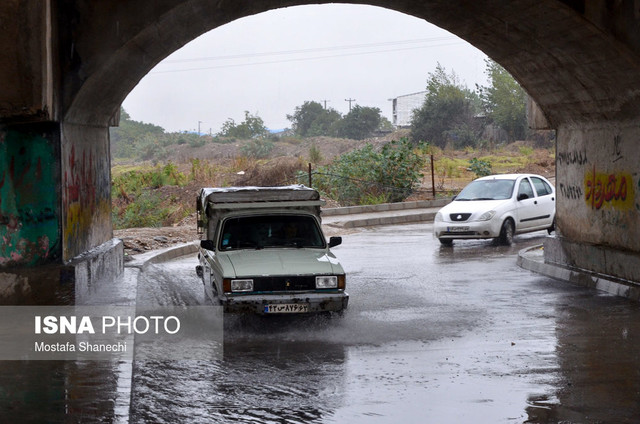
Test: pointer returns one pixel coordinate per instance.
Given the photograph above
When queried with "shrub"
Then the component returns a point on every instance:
(146, 210)
(257, 149)
(132, 183)
(361, 175)
(197, 141)
(315, 156)
(481, 168)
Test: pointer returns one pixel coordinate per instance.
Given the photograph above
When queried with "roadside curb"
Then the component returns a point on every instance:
(382, 214)
(385, 207)
(384, 220)
(532, 259)
(142, 261)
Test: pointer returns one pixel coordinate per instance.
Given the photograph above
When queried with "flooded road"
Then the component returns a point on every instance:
(432, 334)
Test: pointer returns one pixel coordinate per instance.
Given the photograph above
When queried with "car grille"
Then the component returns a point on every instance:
(293, 283)
(460, 233)
(458, 217)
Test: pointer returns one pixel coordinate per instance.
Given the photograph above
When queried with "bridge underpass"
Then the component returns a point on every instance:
(66, 66)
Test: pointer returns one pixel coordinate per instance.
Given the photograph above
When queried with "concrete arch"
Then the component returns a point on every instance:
(563, 56)
(66, 68)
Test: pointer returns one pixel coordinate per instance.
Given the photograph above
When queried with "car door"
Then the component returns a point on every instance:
(526, 205)
(546, 201)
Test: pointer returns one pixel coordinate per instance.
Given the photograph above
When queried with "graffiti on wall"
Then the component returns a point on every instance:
(86, 198)
(613, 190)
(29, 224)
(569, 191)
(572, 157)
(600, 189)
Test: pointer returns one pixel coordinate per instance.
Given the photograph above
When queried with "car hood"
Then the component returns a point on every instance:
(474, 207)
(248, 263)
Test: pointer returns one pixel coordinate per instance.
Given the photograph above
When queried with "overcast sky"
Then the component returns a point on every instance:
(270, 63)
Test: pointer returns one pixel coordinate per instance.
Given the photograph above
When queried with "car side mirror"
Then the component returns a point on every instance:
(208, 244)
(335, 241)
(522, 196)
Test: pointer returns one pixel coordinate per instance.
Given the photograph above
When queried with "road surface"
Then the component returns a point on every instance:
(432, 334)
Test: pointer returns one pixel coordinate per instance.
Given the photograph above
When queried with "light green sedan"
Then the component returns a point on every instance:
(272, 262)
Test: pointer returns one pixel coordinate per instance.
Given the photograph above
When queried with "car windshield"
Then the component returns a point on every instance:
(267, 231)
(493, 189)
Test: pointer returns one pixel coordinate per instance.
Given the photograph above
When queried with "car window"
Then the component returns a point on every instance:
(266, 231)
(492, 189)
(525, 188)
(542, 188)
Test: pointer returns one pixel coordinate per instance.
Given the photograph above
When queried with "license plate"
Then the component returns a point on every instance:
(457, 229)
(286, 308)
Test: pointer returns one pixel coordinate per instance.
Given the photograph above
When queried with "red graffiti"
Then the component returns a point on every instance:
(80, 179)
(601, 188)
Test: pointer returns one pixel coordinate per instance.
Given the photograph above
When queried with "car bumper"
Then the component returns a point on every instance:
(269, 304)
(466, 230)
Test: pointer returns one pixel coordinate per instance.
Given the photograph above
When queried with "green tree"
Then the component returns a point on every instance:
(311, 119)
(325, 123)
(447, 112)
(252, 127)
(360, 122)
(505, 101)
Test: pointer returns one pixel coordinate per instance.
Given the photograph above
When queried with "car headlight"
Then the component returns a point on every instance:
(242, 285)
(487, 216)
(326, 282)
(438, 217)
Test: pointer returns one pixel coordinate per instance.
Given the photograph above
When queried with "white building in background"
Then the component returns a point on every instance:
(403, 107)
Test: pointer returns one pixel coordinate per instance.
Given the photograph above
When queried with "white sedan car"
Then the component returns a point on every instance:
(498, 206)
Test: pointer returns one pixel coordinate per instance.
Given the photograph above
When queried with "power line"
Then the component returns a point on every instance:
(297, 59)
(313, 50)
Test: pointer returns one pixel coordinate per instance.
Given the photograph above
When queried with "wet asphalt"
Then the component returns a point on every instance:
(432, 335)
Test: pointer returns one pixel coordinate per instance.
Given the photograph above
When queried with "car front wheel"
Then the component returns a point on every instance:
(506, 233)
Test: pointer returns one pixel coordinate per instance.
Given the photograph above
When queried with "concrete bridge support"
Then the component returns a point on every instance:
(55, 180)
(55, 210)
(598, 208)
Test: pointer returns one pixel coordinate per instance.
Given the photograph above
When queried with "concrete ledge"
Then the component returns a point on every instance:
(384, 207)
(63, 284)
(101, 264)
(386, 220)
(597, 259)
(532, 259)
(157, 256)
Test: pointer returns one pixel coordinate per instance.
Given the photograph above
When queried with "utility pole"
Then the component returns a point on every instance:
(349, 100)
(325, 103)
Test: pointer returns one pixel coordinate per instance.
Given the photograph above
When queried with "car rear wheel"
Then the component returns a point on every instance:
(506, 233)
(553, 226)
(446, 242)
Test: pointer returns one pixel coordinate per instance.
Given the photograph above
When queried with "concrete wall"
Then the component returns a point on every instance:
(86, 189)
(27, 70)
(598, 205)
(29, 195)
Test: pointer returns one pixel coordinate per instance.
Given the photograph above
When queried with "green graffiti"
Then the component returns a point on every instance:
(29, 211)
